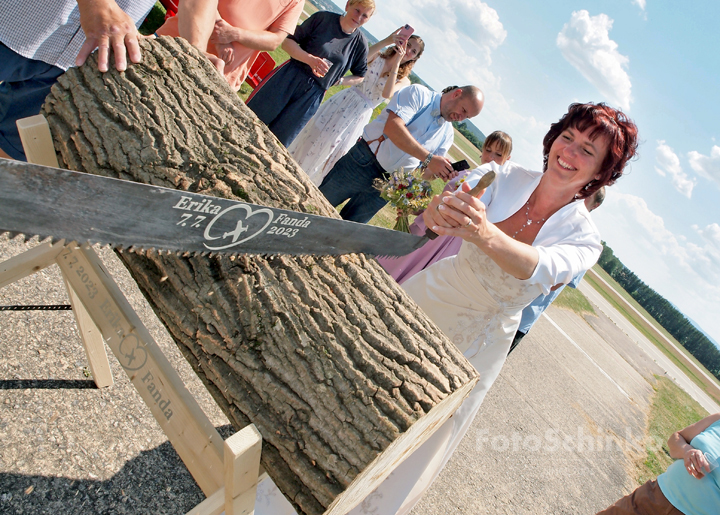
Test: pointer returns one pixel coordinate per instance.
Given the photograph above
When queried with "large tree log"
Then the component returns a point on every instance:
(340, 371)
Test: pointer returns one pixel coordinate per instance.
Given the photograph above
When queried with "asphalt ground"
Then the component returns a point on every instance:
(66, 446)
(558, 432)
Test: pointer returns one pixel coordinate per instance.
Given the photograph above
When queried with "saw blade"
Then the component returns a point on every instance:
(85, 208)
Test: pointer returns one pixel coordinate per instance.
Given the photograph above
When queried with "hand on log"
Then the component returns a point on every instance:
(107, 26)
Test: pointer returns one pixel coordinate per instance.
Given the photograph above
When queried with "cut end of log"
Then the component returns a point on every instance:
(411, 440)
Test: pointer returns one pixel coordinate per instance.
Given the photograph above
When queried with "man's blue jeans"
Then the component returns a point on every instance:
(352, 178)
(25, 84)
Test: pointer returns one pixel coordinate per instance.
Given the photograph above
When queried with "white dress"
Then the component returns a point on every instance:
(338, 124)
(478, 306)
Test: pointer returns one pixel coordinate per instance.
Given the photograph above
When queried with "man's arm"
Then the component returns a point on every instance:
(107, 26)
(399, 134)
(196, 19)
(266, 40)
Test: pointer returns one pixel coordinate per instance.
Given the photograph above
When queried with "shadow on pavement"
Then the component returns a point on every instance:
(46, 384)
(156, 481)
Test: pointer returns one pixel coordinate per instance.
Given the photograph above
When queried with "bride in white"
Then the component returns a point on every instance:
(529, 231)
(339, 122)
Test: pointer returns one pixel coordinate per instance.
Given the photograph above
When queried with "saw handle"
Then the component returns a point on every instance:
(485, 181)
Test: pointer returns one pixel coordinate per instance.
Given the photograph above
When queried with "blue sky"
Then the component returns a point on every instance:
(658, 60)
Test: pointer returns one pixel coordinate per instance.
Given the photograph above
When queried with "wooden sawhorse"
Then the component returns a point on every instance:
(227, 472)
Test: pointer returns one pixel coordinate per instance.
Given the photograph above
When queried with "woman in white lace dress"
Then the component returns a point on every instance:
(339, 122)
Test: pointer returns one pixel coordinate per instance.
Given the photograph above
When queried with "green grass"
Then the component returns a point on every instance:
(471, 150)
(455, 155)
(279, 55)
(700, 381)
(571, 298)
(629, 298)
(625, 295)
(672, 409)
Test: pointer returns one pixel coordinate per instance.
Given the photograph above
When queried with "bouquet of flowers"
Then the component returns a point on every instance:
(407, 192)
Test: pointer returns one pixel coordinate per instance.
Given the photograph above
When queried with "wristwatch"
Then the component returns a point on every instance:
(425, 163)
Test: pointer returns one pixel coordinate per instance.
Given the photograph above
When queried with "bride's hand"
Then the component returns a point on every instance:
(434, 217)
(458, 214)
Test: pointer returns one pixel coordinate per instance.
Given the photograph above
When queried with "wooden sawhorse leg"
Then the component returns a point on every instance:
(41, 257)
(242, 462)
(37, 143)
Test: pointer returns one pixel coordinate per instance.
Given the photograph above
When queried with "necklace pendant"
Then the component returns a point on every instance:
(529, 222)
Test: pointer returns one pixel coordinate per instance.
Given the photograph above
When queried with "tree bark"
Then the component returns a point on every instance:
(327, 356)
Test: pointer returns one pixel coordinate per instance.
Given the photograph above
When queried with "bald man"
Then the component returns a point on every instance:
(414, 129)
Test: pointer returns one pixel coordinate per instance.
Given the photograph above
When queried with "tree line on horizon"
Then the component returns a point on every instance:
(667, 315)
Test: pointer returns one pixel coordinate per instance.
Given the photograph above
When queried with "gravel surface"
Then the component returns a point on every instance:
(68, 447)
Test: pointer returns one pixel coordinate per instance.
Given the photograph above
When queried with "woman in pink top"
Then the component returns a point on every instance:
(496, 148)
(243, 29)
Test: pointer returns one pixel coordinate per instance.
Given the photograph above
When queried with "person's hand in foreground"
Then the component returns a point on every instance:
(107, 26)
(696, 464)
(679, 445)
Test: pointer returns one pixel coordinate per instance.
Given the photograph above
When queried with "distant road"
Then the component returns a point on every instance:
(646, 345)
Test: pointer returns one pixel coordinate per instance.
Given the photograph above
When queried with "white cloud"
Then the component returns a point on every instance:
(479, 21)
(711, 234)
(460, 38)
(640, 4)
(668, 163)
(706, 166)
(585, 43)
(463, 28)
(682, 271)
